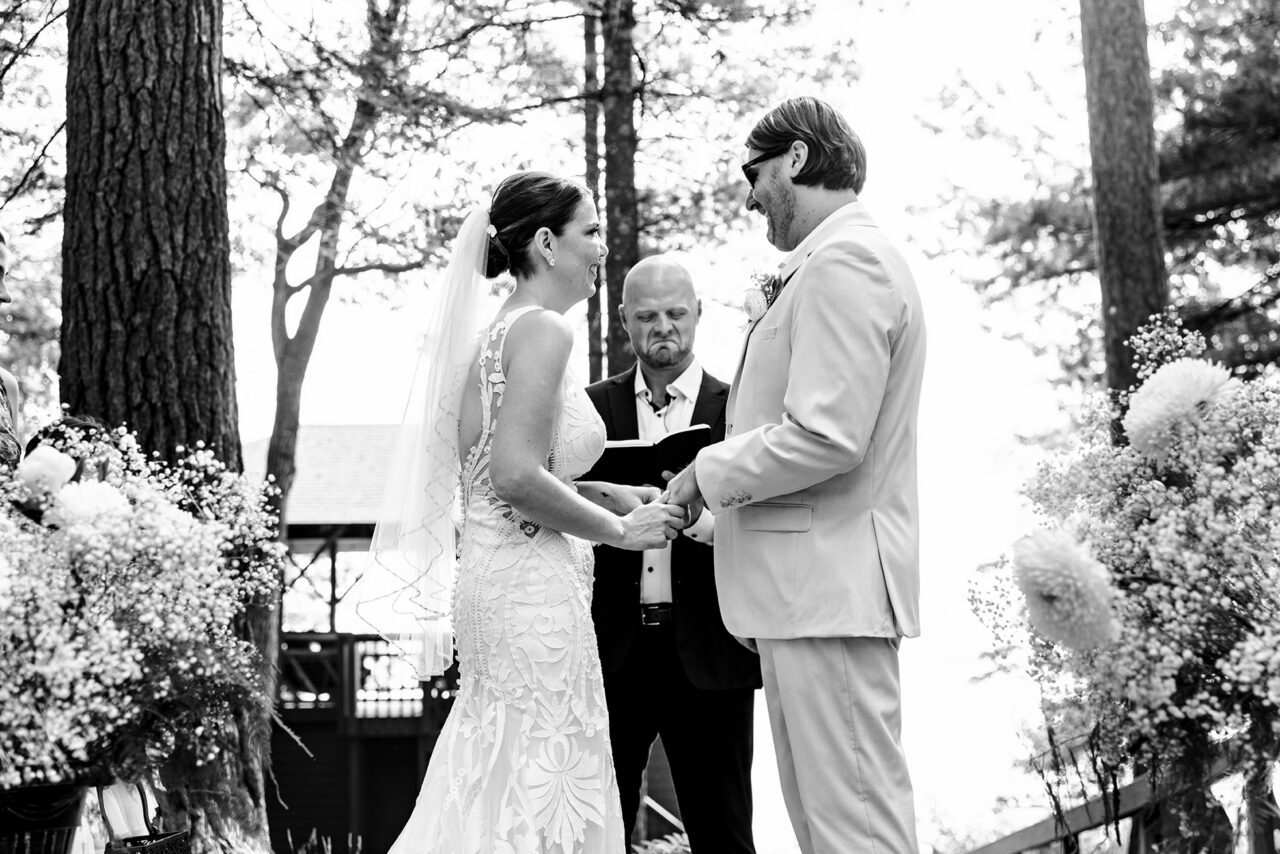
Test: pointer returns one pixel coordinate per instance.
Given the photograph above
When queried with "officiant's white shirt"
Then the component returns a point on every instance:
(652, 425)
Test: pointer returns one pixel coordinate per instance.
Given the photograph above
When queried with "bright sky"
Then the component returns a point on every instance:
(981, 393)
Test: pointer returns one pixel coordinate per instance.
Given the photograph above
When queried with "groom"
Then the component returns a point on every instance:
(814, 487)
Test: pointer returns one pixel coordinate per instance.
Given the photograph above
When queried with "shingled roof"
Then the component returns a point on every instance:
(342, 469)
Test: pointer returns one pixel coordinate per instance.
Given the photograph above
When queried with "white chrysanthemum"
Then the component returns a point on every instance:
(86, 501)
(1068, 592)
(1179, 392)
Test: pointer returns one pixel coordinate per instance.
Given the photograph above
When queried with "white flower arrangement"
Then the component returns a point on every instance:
(117, 612)
(1164, 634)
(757, 298)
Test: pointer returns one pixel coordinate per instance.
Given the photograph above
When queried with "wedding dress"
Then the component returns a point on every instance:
(523, 763)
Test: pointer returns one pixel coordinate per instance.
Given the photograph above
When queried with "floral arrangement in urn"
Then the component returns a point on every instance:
(1148, 606)
(123, 581)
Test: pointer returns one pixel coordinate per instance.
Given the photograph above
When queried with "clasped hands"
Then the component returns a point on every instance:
(658, 512)
(682, 489)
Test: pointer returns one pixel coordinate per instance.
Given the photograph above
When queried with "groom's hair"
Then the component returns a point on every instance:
(522, 204)
(836, 159)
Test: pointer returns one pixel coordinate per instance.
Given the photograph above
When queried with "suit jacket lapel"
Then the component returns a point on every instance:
(622, 423)
(709, 408)
(746, 339)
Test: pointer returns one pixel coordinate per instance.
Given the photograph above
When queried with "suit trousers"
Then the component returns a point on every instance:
(836, 714)
(707, 734)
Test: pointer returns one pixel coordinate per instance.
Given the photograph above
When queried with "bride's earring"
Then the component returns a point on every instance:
(551, 260)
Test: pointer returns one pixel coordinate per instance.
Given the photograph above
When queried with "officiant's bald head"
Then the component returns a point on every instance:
(660, 310)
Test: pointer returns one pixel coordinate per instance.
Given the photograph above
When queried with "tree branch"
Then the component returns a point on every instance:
(382, 267)
(25, 49)
(272, 182)
(35, 164)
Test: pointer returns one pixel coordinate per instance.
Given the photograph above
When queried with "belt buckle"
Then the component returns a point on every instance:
(655, 615)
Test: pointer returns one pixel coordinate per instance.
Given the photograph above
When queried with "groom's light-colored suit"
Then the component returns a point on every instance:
(817, 534)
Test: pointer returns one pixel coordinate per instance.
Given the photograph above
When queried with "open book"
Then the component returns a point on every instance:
(638, 461)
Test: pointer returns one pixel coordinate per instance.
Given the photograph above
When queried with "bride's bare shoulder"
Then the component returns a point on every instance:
(540, 329)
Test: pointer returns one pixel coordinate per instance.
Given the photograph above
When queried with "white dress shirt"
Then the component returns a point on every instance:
(652, 425)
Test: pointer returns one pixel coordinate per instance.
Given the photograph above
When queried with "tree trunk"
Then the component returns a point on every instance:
(591, 145)
(146, 329)
(618, 24)
(146, 306)
(1126, 203)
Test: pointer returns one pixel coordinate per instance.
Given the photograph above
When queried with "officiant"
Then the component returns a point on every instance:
(670, 667)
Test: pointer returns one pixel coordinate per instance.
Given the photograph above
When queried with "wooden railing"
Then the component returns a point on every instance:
(355, 676)
(1132, 800)
(1130, 803)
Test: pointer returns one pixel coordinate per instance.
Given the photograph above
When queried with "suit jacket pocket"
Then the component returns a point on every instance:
(795, 518)
(764, 333)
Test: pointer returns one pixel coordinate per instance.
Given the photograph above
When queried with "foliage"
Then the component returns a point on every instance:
(703, 79)
(672, 843)
(1150, 603)
(32, 163)
(122, 588)
(316, 844)
(29, 332)
(1217, 85)
(373, 90)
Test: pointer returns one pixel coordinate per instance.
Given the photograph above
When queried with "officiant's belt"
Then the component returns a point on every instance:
(655, 615)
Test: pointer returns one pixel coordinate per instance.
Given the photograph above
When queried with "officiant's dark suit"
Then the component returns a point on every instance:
(671, 668)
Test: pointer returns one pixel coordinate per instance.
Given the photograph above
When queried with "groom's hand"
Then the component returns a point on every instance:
(683, 489)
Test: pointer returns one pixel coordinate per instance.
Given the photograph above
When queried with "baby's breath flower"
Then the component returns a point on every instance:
(115, 615)
(87, 502)
(1175, 645)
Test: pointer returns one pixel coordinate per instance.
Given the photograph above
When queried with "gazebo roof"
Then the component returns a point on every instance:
(341, 472)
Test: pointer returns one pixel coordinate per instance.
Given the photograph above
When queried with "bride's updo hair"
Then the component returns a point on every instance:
(522, 204)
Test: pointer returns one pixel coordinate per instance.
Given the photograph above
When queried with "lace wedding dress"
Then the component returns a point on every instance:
(523, 764)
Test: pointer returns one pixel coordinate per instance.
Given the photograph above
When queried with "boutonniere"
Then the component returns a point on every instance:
(763, 291)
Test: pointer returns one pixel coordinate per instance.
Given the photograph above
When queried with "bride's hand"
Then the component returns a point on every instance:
(628, 498)
(650, 526)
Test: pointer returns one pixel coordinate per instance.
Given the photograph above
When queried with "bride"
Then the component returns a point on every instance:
(523, 762)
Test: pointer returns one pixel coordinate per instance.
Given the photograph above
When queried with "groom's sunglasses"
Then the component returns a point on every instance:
(750, 170)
